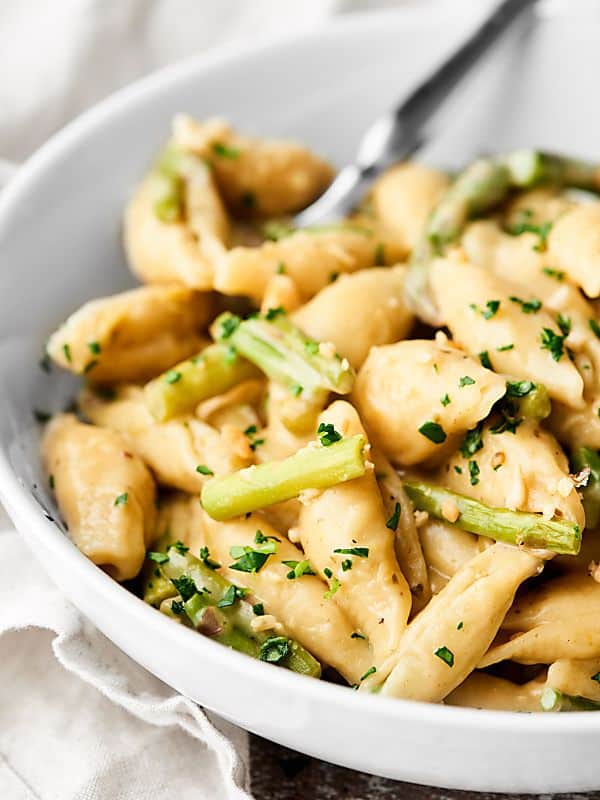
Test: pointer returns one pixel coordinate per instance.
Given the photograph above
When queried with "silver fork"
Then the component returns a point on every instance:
(399, 133)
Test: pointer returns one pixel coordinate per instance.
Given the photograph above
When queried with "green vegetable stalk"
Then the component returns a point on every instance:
(217, 608)
(481, 187)
(582, 458)
(553, 700)
(285, 354)
(312, 467)
(512, 527)
(213, 371)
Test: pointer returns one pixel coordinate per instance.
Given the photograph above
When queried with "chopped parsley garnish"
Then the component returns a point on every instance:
(357, 635)
(67, 351)
(557, 274)
(230, 356)
(311, 347)
(433, 431)
(333, 277)
(595, 327)
(250, 430)
(370, 671)
(41, 416)
(527, 306)
(275, 649)
(280, 268)
(223, 150)
(491, 308)
(361, 552)
(596, 677)
(122, 499)
(260, 538)
(474, 472)
(460, 626)
(445, 400)
(160, 558)
(172, 376)
(552, 342)
(328, 573)
(484, 357)
(207, 560)
(177, 608)
(509, 422)
(327, 434)
(258, 609)
(231, 596)
(179, 546)
(51, 481)
(298, 569)
(204, 470)
(472, 441)
(273, 313)
(447, 656)
(346, 564)
(528, 227)
(564, 323)
(248, 559)
(90, 366)
(185, 587)
(519, 388)
(505, 348)
(229, 325)
(297, 390)
(466, 380)
(94, 347)
(458, 470)
(380, 255)
(333, 587)
(393, 521)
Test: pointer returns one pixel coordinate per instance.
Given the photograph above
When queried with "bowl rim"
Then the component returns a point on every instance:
(20, 503)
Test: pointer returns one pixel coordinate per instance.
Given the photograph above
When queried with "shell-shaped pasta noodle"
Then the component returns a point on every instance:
(317, 623)
(179, 251)
(512, 338)
(311, 258)
(171, 449)
(480, 690)
(104, 493)
(403, 386)
(134, 335)
(536, 207)
(574, 246)
(270, 177)
(437, 652)
(372, 592)
(578, 677)
(524, 471)
(237, 407)
(398, 506)
(403, 198)
(358, 311)
(556, 620)
(447, 548)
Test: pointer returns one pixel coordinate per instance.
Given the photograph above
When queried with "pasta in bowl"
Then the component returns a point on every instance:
(365, 451)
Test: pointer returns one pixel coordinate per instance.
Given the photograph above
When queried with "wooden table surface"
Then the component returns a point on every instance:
(282, 774)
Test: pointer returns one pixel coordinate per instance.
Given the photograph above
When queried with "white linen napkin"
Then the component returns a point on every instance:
(91, 724)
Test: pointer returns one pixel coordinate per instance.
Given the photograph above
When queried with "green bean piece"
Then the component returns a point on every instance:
(582, 458)
(511, 527)
(230, 624)
(553, 700)
(285, 354)
(262, 485)
(179, 390)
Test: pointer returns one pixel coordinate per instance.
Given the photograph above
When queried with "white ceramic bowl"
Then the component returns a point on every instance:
(59, 241)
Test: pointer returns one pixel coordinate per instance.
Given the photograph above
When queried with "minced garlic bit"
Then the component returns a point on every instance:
(450, 511)
(564, 486)
(421, 518)
(266, 622)
(582, 477)
(327, 349)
